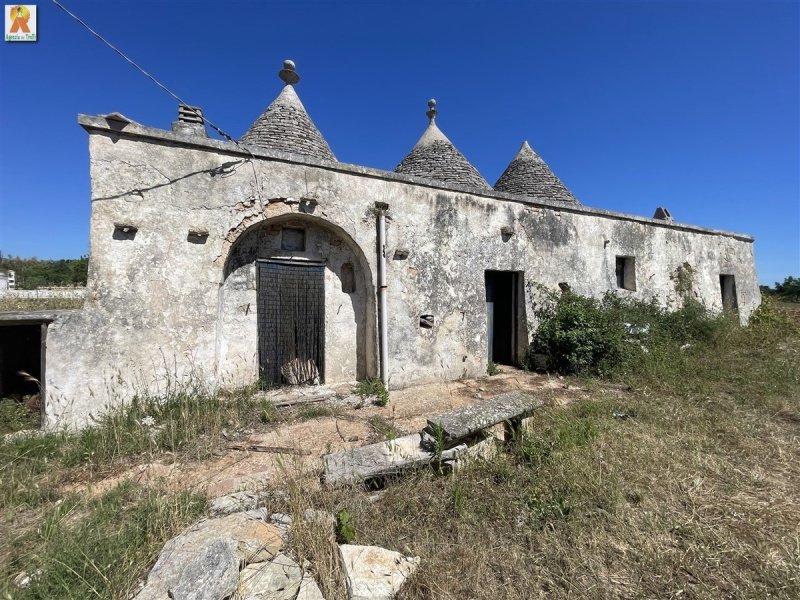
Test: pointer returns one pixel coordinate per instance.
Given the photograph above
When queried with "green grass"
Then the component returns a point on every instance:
(373, 387)
(694, 496)
(95, 548)
(16, 416)
(383, 428)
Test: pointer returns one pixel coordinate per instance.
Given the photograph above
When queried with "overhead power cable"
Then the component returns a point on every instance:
(159, 84)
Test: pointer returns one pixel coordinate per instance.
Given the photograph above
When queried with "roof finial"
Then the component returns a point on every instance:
(287, 73)
(431, 110)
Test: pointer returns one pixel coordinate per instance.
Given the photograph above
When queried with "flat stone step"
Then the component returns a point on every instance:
(464, 422)
(381, 459)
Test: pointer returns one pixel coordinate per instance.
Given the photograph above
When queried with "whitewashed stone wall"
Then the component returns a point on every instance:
(163, 308)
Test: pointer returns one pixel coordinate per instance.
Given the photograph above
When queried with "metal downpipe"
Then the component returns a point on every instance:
(383, 330)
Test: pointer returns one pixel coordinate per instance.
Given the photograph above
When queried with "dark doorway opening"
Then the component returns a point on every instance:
(291, 322)
(502, 316)
(22, 363)
(727, 286)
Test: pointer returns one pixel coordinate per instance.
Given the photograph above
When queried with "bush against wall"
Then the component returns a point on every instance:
(614, 335)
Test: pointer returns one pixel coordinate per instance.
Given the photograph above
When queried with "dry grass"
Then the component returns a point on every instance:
(9, 304)
(694, 497)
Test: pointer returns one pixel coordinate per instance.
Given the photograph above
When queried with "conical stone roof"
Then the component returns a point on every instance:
(286, 126)
(529, 175)
(435, 157)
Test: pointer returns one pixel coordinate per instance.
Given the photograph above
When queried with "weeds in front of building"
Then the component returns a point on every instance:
(675, 472)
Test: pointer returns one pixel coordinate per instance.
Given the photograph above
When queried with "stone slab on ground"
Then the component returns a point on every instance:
(374, 573)
(278, 579)
(383, 458)
(463, 422)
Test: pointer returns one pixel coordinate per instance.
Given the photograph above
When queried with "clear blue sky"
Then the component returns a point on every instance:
(691, 105)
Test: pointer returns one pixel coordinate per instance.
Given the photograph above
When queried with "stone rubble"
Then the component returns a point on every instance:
(374, 573)
(239, 557)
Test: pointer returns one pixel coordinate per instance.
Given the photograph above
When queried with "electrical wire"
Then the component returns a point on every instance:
(165, 88)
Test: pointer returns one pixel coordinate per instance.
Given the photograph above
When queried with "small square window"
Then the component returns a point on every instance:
(293, 239)
(626, 273)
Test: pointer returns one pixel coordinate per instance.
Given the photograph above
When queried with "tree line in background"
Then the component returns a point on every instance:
(33, 273)
(788, 291)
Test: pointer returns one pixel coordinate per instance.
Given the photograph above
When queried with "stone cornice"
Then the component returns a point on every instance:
(120, 126)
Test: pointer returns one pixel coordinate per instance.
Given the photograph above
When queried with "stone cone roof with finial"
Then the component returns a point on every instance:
(285, 125)
(435, 157)
(529, 175)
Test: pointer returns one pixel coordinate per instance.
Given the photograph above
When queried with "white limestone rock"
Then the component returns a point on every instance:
(309, 590)
(278, 579)
(252, 537)
(213, 574)
(374, 573)
(233, 503)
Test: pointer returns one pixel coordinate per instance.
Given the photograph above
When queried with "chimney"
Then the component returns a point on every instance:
(190, 121)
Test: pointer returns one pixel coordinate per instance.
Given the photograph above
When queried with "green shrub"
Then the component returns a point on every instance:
(372, 386)
(16, 416)
(492, 368)
(345, 532)
(614, 335)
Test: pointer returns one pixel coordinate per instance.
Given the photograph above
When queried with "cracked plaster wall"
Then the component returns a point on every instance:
(163, 310)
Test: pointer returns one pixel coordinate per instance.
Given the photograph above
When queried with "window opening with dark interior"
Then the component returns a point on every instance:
(626, 273)
(727, 287)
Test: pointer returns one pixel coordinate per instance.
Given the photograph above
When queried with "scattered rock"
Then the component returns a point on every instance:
(278, 579)
(254, 540)
(374, 573)
(233, 503)
(22, 580)
(309, 590)
(213, 574)
(323, 519)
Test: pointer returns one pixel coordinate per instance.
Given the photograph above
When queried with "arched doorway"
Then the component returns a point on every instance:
(297, 305)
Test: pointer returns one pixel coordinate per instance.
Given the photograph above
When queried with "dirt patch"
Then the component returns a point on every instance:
(296, 449)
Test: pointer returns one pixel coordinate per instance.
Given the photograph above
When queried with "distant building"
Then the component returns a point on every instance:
(223, 262)
(8, 280)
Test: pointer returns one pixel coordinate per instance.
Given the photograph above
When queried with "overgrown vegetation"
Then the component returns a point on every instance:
(788, 291)
(16, 415)
(11, 304)
(33, 273)
(673, 475)
(692, 495)
(98, 547)
(492, 369)
(620, 337)
(373, 387)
